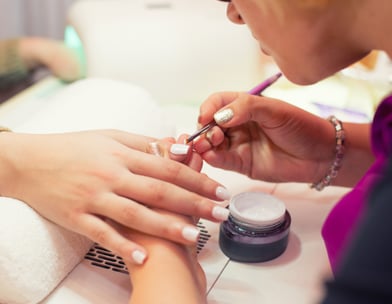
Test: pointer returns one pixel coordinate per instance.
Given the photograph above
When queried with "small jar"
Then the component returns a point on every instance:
(257, 229)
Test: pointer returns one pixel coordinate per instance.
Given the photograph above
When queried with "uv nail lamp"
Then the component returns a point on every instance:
(181, 51)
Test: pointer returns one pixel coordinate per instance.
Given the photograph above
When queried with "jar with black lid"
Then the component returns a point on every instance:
(257, 229)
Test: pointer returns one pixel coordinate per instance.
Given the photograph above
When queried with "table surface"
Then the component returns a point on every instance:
(296, 276)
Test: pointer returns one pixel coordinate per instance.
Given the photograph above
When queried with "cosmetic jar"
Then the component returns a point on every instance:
(257, 229)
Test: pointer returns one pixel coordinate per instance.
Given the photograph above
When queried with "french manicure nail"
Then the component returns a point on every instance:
(138, 256)
(179, 149)
(222, 193)
(223, 116)
(190, 234)
(220, 213)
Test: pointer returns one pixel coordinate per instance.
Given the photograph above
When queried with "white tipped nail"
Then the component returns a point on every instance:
(222, 193)
(220, 213)
(138, 256)
(179, 149)
(223, 116)
(190, 234)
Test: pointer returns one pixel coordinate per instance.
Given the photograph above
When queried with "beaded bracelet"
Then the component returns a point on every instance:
(339, 153)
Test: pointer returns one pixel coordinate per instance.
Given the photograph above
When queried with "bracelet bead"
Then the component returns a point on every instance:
(339, 154)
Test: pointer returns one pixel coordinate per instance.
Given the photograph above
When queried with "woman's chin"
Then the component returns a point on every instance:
(301, 78)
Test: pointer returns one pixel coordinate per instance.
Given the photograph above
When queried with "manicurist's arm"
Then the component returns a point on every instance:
(171, 273)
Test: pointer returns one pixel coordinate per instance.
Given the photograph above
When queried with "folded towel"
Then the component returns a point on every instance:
(35, 254)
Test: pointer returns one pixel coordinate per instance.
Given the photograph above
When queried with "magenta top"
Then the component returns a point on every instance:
(341, 221)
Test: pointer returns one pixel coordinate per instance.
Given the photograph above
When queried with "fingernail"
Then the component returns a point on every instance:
(190, 234)
(209, 135)
(155, 149)
(222, 193)
(220, 213)
(179, 149)
(223, 116)
(138, 256)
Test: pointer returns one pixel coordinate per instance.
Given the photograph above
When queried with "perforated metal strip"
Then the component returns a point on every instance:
(100, 257)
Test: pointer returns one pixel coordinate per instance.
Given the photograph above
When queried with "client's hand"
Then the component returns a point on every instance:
(173, 149)
(53, 54)
(79, 180)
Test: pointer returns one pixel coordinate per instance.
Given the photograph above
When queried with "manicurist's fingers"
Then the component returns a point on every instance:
(265, 111)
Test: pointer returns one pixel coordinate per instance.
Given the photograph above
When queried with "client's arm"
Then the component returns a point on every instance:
(55, 55)
(21, 55)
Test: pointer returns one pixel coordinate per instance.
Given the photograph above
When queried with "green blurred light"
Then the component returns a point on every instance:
(72, 40)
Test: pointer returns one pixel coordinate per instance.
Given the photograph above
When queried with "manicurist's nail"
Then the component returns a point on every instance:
(223, 116)
(190, 233)
(179, 149)
(220, 213)
(222, 193)
(138, 256)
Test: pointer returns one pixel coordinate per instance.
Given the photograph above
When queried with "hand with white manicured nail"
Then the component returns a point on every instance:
(267, 139)
(87, 181)
(177, 150)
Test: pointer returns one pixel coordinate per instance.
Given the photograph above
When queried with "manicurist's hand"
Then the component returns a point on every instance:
(271, 140)
(80, 180)
(186, 282)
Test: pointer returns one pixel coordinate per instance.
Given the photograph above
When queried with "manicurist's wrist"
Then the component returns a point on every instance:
(159, 250)
(335, 165)
(358, 156)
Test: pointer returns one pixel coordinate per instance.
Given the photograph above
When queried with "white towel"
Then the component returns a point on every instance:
(35, 254)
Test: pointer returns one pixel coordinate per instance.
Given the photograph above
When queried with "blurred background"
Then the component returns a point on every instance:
(182, 50)
(33, 18)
